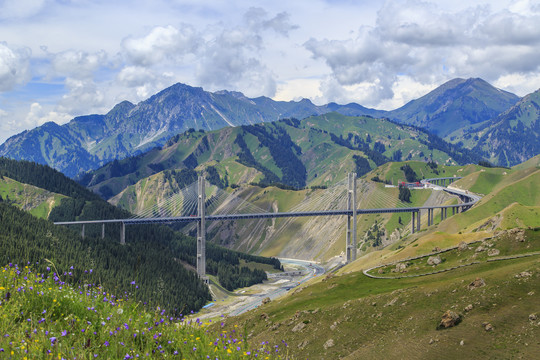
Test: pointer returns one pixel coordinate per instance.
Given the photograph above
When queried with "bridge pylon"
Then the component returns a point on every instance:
(350, 246)
(201, 230)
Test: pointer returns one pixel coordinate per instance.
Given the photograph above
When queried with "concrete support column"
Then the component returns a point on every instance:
(428, 217)
(350, 246)
(103, 231)
(413, 223)
(453, 211)
(442, 214)
(418, 221)
(123, 234)
(201, 231)
(82, 231)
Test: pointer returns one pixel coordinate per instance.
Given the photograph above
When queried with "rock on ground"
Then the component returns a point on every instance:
(478, 282)
(434, 260)
(449, 319)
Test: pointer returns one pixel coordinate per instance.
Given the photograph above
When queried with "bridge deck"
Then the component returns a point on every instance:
(471, 200)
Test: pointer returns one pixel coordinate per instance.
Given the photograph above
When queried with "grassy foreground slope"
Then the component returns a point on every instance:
(352, 316)
(45, 318)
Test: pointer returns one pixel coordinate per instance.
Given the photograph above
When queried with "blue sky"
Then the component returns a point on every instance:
(61, 59)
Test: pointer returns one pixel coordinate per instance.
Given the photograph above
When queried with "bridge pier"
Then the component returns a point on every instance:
(122, 233)
(350, 246)
(103, 231)
(413, 222)
(201, 231)
(82, 231)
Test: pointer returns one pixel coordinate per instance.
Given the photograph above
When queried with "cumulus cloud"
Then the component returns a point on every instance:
(76, 63)
(82, 95)
(428, 45)
(14, 66)
(38, 116)
(162, 43)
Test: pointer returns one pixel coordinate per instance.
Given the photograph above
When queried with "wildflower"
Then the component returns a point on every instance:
(53, 340)
(106, 343)
(64, 332)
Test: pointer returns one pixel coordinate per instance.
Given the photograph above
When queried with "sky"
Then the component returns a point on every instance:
(65, 58)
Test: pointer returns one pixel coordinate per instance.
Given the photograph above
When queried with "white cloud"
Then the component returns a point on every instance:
(38, 115)
(162, 43)
(14, 66)
(428, 45)
(76, 63)
(82, 95)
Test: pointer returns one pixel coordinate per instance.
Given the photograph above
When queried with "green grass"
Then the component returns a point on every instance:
(37, 201)
(507, 246)
(396, 318)
(43, 318)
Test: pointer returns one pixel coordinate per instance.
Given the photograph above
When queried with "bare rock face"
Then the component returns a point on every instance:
(434, 260)
(449, 319)
(463, 246)
(478, 282)
(493, 252)
(328, 344)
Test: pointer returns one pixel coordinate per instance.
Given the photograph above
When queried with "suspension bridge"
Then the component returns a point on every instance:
(202, 202)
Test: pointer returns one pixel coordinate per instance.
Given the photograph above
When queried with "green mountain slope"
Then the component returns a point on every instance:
(513, 136)
(456, 104)
(37, 201)
(351, 316)
(318, 150)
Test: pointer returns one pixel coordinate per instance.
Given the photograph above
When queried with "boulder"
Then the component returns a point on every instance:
(488, 327)
(436, 249)
(449, 319)
(463, 246)
(401, 267)
(266, 300)
(478, 282)
(434, 260)
(533, 317)
(480, 249)
(468, 308)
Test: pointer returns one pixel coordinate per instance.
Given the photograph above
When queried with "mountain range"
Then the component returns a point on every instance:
(88, 142)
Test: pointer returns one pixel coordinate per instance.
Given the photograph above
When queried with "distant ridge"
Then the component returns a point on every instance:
(88, 142)
(456, 104)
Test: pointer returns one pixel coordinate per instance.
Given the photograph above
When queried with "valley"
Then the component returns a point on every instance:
(287, 279)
